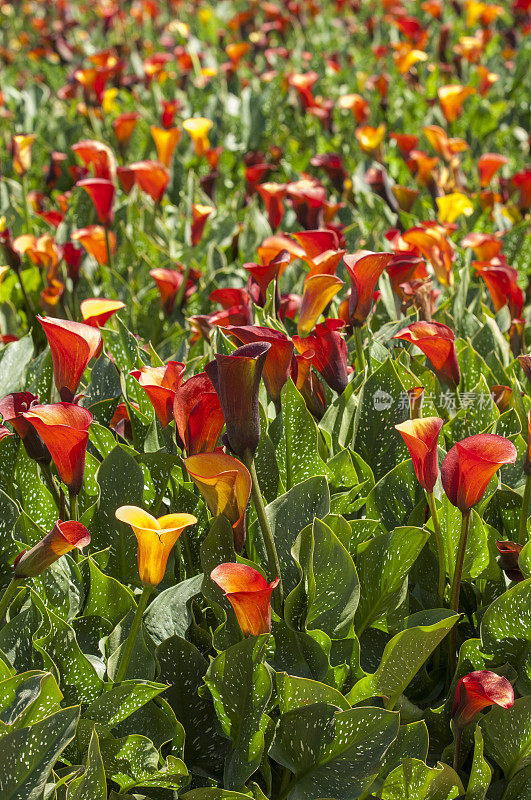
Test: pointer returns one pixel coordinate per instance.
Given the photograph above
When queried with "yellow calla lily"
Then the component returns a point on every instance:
(453, 205)
(155, 537)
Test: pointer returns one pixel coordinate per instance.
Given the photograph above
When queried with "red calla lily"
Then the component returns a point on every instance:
(479, 690)
(160, 385)
(278, 362)
(72, 345)
(364, 269)
(101, 192)
(437, 342)
(64, 537)
(329, 352)
(249, 594)
(198, 416)
(421, 437)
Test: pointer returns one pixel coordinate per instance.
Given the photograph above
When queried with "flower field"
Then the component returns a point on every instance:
(265, 400)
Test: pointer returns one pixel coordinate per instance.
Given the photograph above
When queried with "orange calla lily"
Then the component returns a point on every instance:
(92, 238)
(200, 214)
(166, 140)
(64, 537)
(437, 342)
(160, 385)
(364, 268)
(319, 290)
(198, 128)
(225, 484)
(470, 464)
(97, 155)
(124, 126)
(63, 427)
(357, 104)
(22, 146)
(421, 437)
(151, 177)
(156, 538)
(488, 166)
(370, 139)
(72, 345)
(431, 240)
(101, 192)
(452, 98)
(97, 310)
(249, 594)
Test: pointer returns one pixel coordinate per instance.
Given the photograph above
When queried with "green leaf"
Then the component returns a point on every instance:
(211, 793)
(480, 773)
(506, 630)
(120, 701)
(133, 761)
(107, 598)
(507, 735)
(412, 742)
(27, 756)
(402, 658)
(519, 787)
(327, 596)
(182, 666)
(333, 753)
(169, 615)
(413, 780)
(297, 653)
(298, 692)
(383, 564)
(14, 361)
(477, 549)
(92, 785)
(395, 496)
(27, 698)
(241, 686)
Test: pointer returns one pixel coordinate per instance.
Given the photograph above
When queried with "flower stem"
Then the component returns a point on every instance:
(267, 533)
(360, 355)
(50, 484)
(440, 548)
(457, 747)
(522, 535)
(456, 586)
(74, 514)
(127, 652)
(8, 596)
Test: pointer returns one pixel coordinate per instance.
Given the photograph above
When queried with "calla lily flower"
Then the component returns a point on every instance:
(261, 275)
(101, 192)
(249, 594)
(200, 214)
(421, 437)
(64, 537)
(272, 194)
(12, 409)
(431, 240)
(92, 238)
(278, 362)
(364, 268)
(166, 140)
(486, 246)
(479, 690)
(155, 537)
(97, 156)
(488, 166)
(452, 99)
(63, 427)
(236, 379)
(508, 560)
(319, 290)
(198, 128)
(502, 283)
(225, 484)
(328, 351)
(124, 126)
(321, 251)
(370, 139)
(469, 466)
(405, 268)
(160, 385)
(451, 206)
(356, 104)
(151, 177)
(72, 345)
(96, 311)
(22, 146)
(437, 342)
(198, 416)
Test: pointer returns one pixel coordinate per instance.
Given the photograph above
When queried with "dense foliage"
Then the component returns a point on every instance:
(265, 440)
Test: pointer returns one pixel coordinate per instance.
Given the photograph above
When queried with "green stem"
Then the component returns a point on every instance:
(522, 534)
(457, 747)
(441, 585)
(26, 207)
(360, 355)
(182, 288)
(74, 515)
(8, 596)
(456, 586)
(187, 555)
(109, 250)
(127, 652)
(50, 483)
(267, 533)
(29, 305)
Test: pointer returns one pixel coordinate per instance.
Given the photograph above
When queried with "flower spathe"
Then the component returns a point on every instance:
(319, 290)
(92, 238)
(96, 311)
(249, 594)
(12, 409)
(156, 538)
(437, 342)
(470, 464)
(421, 437)
(73, 345)
(479, 690)
(63, 427)
(364, 268)
(160, 385)
(198, 416)
(225, 484)
(22, 146)
(278, 362)
(64, 537)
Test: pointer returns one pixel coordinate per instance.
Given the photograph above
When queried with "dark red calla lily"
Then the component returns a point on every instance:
(236, 379)
(12, 409)
(469, 466)
(261, 275)
(72, 345)
(364, 269)
(168, 283)
(198, 416)
(479, 690)
(160, 385)
(508, 559)
(421, 437)
(64, 537)
(329, 352)
(249, 594)
(437, 342)
(63, 427)
(101, 192)
(278, 362)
